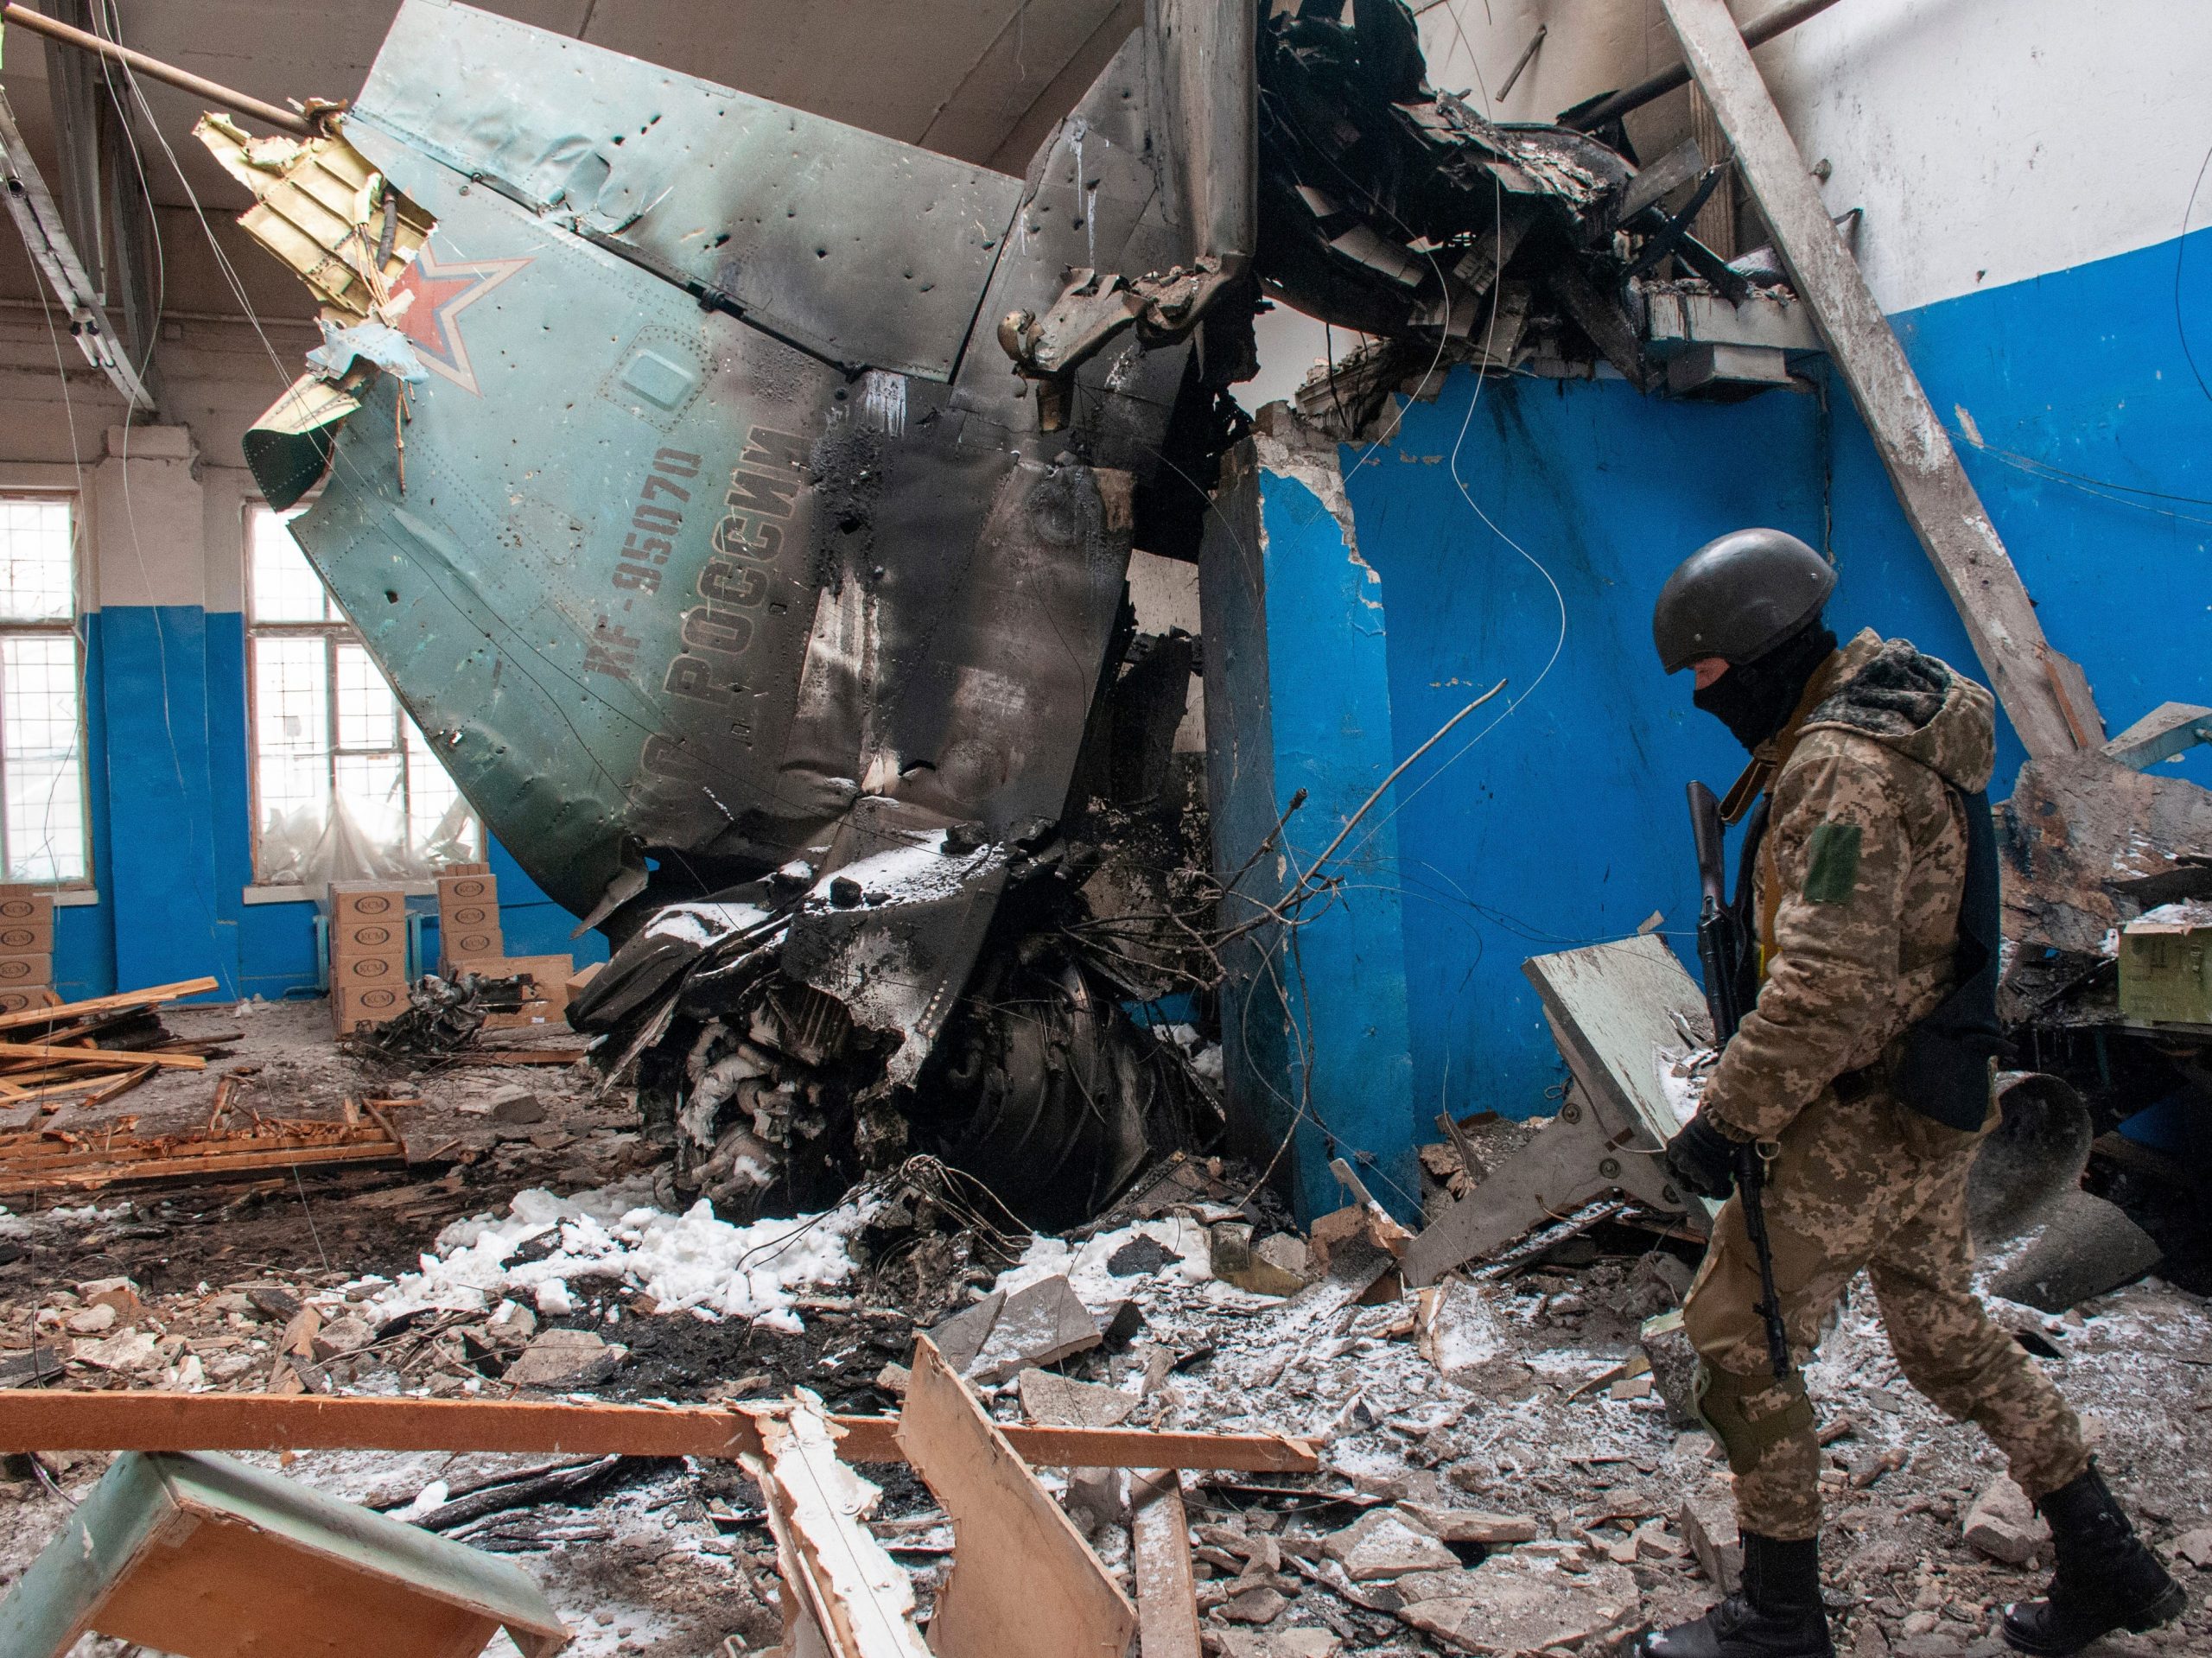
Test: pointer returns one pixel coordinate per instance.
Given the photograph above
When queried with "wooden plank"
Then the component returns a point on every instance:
(2041, 691)
(68, 1011)
(1159, 1547)
(860, 1600)
(36, 1420)
(1024, 1584)
(102, 1056)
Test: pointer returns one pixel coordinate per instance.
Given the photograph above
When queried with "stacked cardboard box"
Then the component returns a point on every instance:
(368, 954)
(26, 948)
(468, 918)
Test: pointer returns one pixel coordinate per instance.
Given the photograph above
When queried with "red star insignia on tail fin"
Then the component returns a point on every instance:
(431, 298)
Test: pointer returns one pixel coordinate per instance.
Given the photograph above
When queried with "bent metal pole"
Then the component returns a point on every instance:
(284, 120)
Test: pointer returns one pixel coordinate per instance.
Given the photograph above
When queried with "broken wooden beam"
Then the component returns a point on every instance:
(65, 1011)
(109, 1056)
(2043, 693)
(35, 1420)
(1160, 1550)
(50, 1159)
(1024, 1583)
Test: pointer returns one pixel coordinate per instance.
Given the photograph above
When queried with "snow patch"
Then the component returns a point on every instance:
(692, 1263)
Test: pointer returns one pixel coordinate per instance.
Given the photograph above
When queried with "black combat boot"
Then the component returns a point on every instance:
(2106, 1579)
(1776, 1614)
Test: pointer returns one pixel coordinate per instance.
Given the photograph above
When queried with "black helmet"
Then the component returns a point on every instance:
(1738, 597)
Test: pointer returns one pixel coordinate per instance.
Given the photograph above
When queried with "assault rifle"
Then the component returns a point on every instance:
(1724, 954)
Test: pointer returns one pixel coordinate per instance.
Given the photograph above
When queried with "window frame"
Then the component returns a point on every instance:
(335, 630)
(73, 625)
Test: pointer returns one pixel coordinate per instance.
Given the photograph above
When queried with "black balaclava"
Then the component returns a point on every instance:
(1754, 699)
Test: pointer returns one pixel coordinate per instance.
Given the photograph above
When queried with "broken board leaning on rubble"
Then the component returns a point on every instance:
(1613, 1009)
(1024, 1584)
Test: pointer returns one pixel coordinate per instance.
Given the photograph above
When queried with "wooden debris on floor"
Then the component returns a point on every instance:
(185, 1553)
(149, 1421)
(1159, 1544)
(108, 1045)
(54, 1160)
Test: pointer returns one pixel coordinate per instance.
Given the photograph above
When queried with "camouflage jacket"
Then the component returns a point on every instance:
(1859, 877)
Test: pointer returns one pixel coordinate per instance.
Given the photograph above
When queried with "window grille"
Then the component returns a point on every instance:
(43, 828)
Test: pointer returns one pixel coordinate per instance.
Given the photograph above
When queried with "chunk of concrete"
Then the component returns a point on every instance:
(1707, 1522)
(1380, 1543)
(129, 1349)
(1254, 1606)
(1039, 1325)
(560, 1360)
(1673, 1366)
(2196, 1547)
(1469, 1525)
(515, 1104)
(1523, 1606)
(1056, 1402)
(1463, 1334)
(2003, 1525)
(960, 1338)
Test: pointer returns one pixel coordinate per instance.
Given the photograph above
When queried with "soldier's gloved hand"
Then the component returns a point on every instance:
(1703, 1159)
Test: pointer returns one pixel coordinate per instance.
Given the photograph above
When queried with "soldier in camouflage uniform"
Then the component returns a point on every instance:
(1873, 758)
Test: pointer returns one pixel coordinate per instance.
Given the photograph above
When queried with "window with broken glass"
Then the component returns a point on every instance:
(43, 831)
(345, 785)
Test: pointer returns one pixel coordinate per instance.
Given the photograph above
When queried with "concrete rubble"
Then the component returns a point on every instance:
(1493, 1480)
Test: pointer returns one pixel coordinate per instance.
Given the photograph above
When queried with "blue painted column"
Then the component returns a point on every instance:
(1313, 1013)
(162, 887)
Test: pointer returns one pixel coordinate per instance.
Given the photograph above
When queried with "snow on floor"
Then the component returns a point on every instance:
(689, 1262)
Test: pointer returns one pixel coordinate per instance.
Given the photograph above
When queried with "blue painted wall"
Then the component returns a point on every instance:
(167, 758)
(1315, 1017)
(1565, 823)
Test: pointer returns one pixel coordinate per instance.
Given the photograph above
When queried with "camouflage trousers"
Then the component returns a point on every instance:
(1872, 1185)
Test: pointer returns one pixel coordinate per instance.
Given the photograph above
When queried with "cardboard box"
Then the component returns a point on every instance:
(581, 977)
(350, 940)
(29, 935)
(23, 997)
(19, 903)
(358, 972)
(457, 949)
(365, 900)
(2165, 968)
(465, 869)
(468, 889)
(350, 1010)
(21, 972)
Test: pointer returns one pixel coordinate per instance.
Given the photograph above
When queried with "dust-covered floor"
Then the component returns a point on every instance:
(1498, 1474)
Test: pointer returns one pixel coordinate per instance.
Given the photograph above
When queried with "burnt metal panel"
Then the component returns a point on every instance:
(869, 252)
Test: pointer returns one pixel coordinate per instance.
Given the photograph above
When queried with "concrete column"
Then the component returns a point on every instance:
(1297, 696)
(151, 681)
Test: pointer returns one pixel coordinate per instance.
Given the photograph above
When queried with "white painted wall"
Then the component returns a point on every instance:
(1988, 141)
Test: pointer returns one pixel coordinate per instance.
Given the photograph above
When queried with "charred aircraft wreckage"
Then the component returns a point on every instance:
(742, 503)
